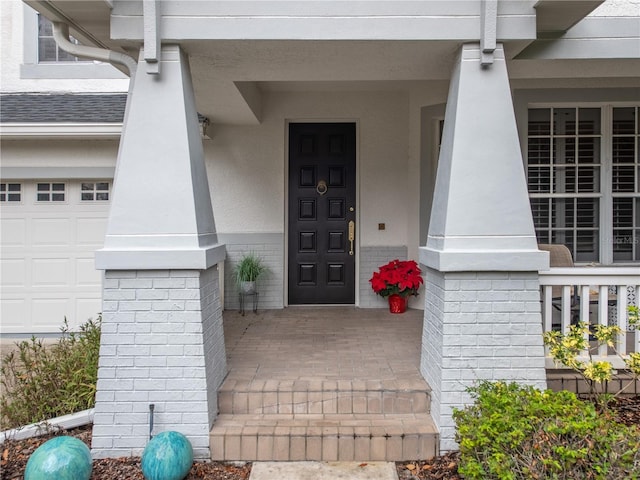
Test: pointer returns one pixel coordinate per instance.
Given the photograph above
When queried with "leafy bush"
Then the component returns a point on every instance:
(573, 350)
(42, 382)
(519, 432)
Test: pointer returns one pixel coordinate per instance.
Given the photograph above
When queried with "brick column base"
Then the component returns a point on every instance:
(478, 326)
(162, 344)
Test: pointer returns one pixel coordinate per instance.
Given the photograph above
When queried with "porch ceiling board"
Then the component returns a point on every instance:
(324, 20)
(560, 16)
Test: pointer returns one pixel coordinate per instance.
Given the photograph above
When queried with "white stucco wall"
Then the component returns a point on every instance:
(247, 165)
(59, 153)
(617, 8)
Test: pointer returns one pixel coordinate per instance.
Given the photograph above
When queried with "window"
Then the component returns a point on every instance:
(48, 51)
(54, 63)
(583, 178)
(625, 183)
(50, 192)
(10, 192)
(94, 191)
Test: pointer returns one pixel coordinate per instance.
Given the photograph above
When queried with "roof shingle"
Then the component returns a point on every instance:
(62, 108)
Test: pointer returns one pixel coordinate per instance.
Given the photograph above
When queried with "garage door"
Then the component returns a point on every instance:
(50, 230)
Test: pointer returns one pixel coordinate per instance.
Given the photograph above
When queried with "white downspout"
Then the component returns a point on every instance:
(61, 36)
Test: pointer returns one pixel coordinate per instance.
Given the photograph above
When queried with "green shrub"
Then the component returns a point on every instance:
(45, 381)
(519, 432)
(573, 349)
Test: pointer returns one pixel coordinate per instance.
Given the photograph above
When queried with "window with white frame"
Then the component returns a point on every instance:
(41, 59)
(48, 50)
(10, 192)
(50, 192)
(583, 175)
(94, 192)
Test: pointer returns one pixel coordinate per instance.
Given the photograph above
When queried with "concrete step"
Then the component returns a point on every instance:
(330, 437)
(323, 397)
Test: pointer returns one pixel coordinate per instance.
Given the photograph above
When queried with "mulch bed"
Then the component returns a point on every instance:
(15, 454)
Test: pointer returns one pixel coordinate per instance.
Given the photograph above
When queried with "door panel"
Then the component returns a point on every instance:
(322, 198)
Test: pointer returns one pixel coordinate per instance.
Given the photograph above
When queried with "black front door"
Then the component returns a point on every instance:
(322, 213)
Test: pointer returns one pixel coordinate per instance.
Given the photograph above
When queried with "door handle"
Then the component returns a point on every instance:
(352, 235)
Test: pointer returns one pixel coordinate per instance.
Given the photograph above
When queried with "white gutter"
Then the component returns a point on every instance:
(66, 422)
(44, 130)
(61, 36)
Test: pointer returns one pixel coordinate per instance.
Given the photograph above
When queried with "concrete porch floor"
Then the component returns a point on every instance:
(324, 343)
(323, 383)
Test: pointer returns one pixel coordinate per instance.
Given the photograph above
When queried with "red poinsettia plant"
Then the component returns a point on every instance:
(401, 277)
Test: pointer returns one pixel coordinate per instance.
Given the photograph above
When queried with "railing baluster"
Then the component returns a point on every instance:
(585, 308)
(622, 319)
(603, 314)
(548, 308)
(584, 279)
(566, 309)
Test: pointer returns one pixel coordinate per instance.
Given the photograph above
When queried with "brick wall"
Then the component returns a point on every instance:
(270, 247)
(163, 344)
(371, 258)
(479, 326)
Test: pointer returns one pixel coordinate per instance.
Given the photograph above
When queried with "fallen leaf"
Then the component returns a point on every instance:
(452, 466)
(362, 465)
(427, 467)
(411, 467)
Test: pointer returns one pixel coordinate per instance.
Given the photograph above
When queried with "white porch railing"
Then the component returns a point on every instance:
(593, 295)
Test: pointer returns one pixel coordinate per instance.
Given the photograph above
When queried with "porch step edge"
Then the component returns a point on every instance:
(321, 398)
(346, 437)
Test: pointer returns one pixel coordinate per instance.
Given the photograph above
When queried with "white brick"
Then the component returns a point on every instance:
(169, 283)
(109, 294)
(152, 294)
(152, 339)
(167, 305)
(134, 350)
(153, 274)
(136, 283)
(167, 350)
(133, 306)
(186, 294)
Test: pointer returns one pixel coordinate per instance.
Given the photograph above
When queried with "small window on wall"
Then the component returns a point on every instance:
(50, 192)
(94, 192)
(48, 50)
(10, 192)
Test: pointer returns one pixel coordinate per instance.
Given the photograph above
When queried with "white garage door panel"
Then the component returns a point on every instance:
(14, 311)
(14, 230)
(13, 272)
(86, 273)
(51, 231)
(87, 308)
(48, 270)
(90, 232)
(47, 312)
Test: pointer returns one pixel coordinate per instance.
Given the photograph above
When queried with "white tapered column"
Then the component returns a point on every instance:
(162, 337)
(482, 308)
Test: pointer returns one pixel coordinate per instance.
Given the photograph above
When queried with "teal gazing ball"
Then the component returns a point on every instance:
(167, 456)
(62, 458)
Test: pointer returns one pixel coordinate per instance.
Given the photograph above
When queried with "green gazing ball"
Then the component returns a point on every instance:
(167, 456)
(62, 458)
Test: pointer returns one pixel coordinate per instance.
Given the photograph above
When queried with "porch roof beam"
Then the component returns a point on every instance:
(326, 20)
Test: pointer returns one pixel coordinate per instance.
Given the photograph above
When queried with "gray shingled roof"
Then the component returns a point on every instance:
(62, 108)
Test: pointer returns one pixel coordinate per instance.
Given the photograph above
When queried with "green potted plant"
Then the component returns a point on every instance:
(247, 271)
